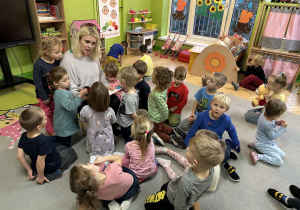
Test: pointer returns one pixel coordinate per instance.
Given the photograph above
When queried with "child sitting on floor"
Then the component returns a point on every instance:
(48, 159)
(182, 192)
(114, 186)
(130, 101)
(216, 121)
(255, 75)
(158, 108)
(147, 59)
(177, 96)
(269, 128)
(142, 87)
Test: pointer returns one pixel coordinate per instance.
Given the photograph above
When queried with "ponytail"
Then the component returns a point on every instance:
(280, 80)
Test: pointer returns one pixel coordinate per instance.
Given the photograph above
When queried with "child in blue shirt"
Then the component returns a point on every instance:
(216, 121)
(115, 51)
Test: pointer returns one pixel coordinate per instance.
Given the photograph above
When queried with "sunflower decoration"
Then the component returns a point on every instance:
(220, 7)
(215, 62)
(217, 1)
(208, 2)
(199, 3)
(213, 9)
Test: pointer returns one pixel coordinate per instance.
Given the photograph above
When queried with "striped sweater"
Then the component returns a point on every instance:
(157, 106)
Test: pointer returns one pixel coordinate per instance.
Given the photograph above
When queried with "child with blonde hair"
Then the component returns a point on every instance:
(65, 116)
(130, 101)
(255, 75)
(139, 154)
(99, 116)
(269, 128)
(182, 192)
(217, 121)
(115, 186)
(177, 96)
(158, 108)
(277, 85)
(51, 55)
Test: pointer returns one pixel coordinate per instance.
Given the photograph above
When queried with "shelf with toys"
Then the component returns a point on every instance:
(139, 17)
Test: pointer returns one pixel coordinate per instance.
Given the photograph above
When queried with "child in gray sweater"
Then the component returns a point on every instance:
(204, 152)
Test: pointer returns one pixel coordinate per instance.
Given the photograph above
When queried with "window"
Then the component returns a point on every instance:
(208, 19)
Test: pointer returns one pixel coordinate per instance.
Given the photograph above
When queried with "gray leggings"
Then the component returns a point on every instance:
(252, 115)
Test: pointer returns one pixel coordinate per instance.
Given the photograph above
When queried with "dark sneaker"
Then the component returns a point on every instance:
(295, 191)
(235, 85)
(179, 133)
(233, 155)
(231, 172)
(277, 196)
(177, 142)
(157, 139)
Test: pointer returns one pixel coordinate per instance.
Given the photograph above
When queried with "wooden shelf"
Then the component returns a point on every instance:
(51, 21)
(257, 49)
(59, 25)
(139, 13)
(141, 21)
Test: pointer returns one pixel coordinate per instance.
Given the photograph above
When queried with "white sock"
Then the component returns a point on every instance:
(125, 204)
(113, 205)
(92, 159)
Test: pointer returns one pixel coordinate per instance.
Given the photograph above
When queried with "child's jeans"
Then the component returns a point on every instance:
(271, 153)
(163, 131)
(49, 110)
(174, 119)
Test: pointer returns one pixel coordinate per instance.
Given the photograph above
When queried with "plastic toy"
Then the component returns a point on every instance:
(131, 11)
(260, 91)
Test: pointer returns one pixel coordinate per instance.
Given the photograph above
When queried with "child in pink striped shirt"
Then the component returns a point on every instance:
(140, 153)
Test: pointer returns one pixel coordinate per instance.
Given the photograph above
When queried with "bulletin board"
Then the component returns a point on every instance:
(109, 18)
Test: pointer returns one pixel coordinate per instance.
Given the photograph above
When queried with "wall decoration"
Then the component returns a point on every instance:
(212, 9)
(243, 26)
(179, 13)
(109, 18)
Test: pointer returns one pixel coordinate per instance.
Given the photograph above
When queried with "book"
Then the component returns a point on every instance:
(54, 10)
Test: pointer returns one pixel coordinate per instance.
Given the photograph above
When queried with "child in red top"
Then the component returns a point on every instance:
(177, 96)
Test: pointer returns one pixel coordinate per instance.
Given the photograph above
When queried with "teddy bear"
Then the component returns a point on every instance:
(260, 91)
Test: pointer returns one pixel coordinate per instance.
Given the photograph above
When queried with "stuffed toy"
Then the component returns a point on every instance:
(260, 91)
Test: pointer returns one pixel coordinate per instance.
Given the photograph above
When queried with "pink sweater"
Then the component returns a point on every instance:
(132, 160)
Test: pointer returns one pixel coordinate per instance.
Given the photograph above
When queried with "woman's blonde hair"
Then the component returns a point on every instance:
(141, 130)
(85, 185)
(86, 31)
(48, 42)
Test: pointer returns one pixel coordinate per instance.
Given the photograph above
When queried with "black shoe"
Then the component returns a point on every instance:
(233, 155)
(177, 142)
(235, 85)
(295, 191)
(277, 196)
(157, 139)
(231, 172)
(179, 133)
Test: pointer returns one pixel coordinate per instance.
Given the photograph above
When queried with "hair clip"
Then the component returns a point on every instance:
(146, 132)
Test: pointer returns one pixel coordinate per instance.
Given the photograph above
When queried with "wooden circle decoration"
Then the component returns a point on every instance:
(215, 58)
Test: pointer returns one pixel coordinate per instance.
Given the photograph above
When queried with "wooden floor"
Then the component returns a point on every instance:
(292, 99)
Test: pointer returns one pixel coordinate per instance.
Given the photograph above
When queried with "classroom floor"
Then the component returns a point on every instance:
(292, 99)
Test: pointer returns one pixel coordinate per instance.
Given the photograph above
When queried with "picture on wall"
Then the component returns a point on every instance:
(109, 18)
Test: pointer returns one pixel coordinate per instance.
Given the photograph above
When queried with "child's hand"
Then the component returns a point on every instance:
(192, 118)
(110, 88)
(236, 68)
(284, 124)
(83, 92)
(41, 180)
(267, 97)
(30, 177)
(99, 160)
(46, 101)
(238, 148)
(173, 109)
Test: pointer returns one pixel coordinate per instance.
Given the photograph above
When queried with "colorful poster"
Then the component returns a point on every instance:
(109, 18)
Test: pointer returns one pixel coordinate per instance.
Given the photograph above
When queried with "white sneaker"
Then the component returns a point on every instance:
(157, 139)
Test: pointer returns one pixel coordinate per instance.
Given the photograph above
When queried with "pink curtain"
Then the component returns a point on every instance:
(272, 66)
(275, 27)
(292, 41)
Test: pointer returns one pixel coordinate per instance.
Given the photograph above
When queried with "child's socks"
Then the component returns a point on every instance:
(166, 164)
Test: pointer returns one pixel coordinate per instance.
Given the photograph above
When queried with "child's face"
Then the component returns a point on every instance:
(217, 109)
(64, 82)
(189, 155)
(111, 78)
(253, 62)
(44, 122)
(55, 53)
(178, 81)
(122, 84)
(140, 76)
(87, 45)
(211, 83)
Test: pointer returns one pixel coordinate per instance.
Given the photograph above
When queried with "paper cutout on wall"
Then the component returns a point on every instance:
(243, 26)
(215, 62)
(179, 14)
(109, 18)
(214, 10)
